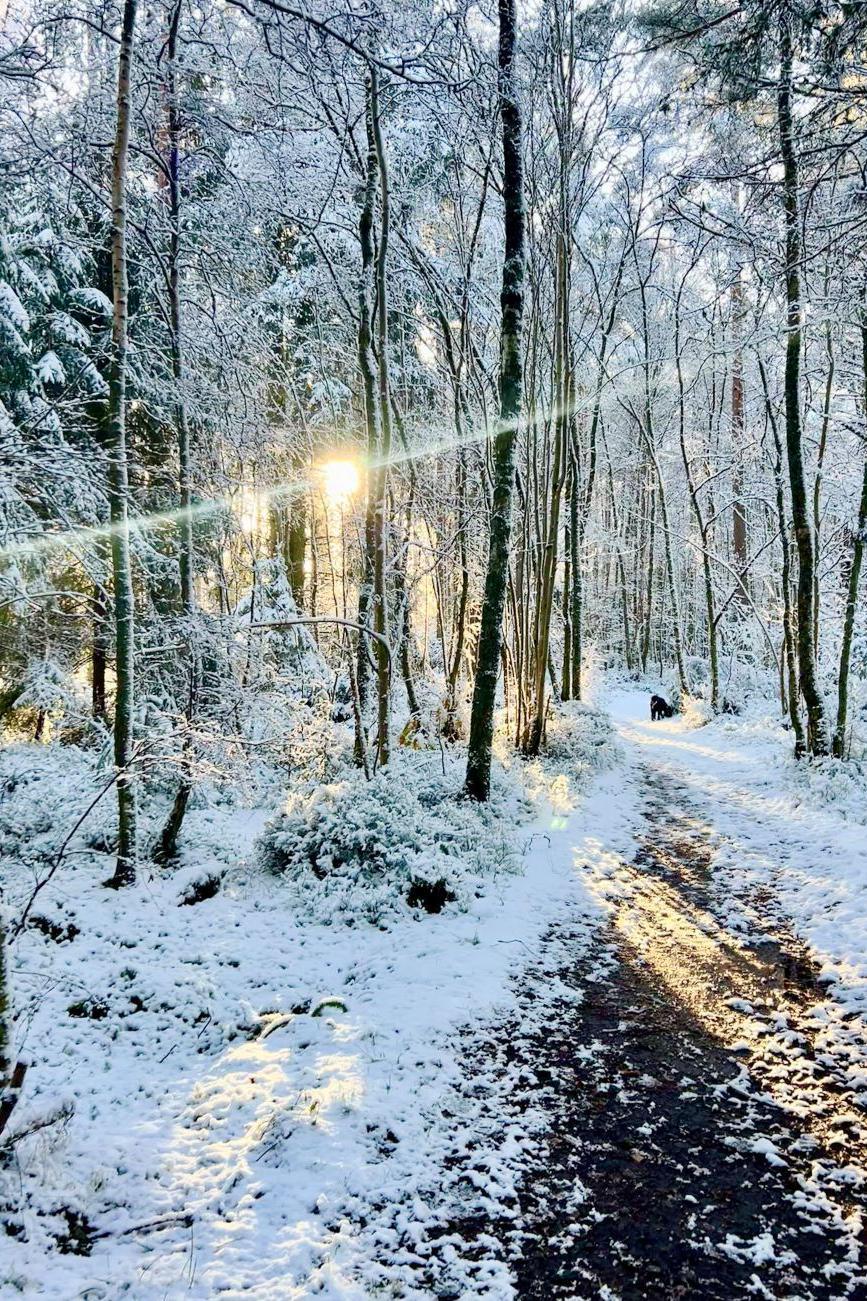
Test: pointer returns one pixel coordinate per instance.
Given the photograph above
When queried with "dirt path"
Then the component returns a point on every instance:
(699, 1136)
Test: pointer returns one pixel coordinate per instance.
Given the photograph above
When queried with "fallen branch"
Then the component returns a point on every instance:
(182, 1218)
(36, 1126)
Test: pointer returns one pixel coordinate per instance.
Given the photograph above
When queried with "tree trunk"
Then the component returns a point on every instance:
(710, 605)
(403, 622)
(583, 502)
(450, 728)
(99, 653)
(296, 547)
(566, 674)
(672, 587)
(818, 741)
(647, 430)
(367, 366)
(11, 1076)
(621, 566)
(817, 482)
(118, 473)
(576, 592)
(561, 421)
(740, 545)
(478, 779)
(651, 557)
(380, 559)
(167, 843)
(788, 617)
(854, 578)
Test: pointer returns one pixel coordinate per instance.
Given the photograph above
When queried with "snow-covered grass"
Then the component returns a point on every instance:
(251, 1087)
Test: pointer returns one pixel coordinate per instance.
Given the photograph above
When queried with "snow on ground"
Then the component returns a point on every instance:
(232, 1131)
(260, 1104)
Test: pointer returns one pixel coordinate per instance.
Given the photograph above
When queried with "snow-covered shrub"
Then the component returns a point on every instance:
(452, 719)
(696, 712)
(579, 741)
(43, 792)
(838, 784)
(582, 737)
(312, 746)
(360, 850)
(48, 691)
(856, 739)
(286, 652)
(698, 676)
(744, 686)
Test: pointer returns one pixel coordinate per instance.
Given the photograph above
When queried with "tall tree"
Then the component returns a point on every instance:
(166, 847)
(859, 538)
(818, 740)
(478, 778)
(118, 471)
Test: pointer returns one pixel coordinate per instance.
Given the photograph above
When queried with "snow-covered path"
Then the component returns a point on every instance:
(783, 837)
(704, 1094)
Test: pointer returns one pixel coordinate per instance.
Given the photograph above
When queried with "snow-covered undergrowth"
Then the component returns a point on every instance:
(837, 785)
(357, 850)
(43, 792)
(696, 711)
(579, 744)
(580, 741)
(241, 1097)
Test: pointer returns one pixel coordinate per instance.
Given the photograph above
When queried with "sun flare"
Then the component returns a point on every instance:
(340, 479)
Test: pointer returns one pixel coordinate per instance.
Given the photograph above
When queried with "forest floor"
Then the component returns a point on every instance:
(637, 1068)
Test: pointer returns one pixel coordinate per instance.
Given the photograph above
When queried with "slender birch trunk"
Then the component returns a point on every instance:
(583, 502)
(118, 472)
(380, 561)
(740, 543)
(649, 491)
(854, 579)
(450, 704)
(561, 419)
(166, 846)
(566, 671)
(786, 580)
(576, 575)
(99, 652)
(709, 599)
(621, 571)
(817, 482)
(296, 542)
(372, 412)
(647, 429)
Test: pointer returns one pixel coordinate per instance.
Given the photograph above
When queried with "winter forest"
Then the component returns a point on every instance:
(433, 649)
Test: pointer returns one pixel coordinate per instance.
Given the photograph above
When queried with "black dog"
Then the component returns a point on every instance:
(659, 708)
